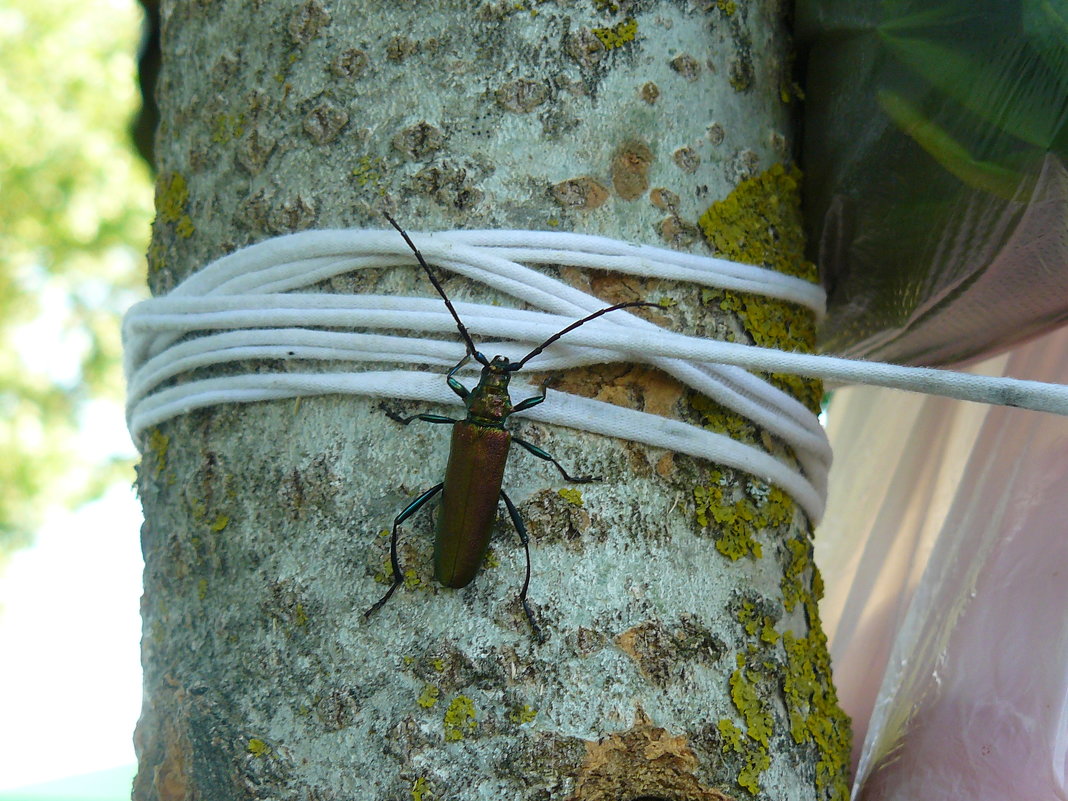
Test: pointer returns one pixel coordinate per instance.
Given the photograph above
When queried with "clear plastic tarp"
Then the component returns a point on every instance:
(936, 197)
(945, 555)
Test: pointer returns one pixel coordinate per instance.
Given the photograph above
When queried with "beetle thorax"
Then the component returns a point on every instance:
(488, 403)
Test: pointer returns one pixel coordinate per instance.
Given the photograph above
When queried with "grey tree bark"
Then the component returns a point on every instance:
(684, 658)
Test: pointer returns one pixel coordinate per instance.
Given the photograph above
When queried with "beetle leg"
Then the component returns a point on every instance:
(521, 529)
(543, 455)
(428, 418)
(454, 383)
(523, 405)
(398, 577)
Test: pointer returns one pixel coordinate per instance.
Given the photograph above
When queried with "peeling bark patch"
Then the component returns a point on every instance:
(687, 159)
(419, 142)
(306, 22)
(584, 48)
(162, 741)
(325, 122)
(399, 48)
(349, 64)
(664, 199)
(650, 647)
(522, 96)
(643, 761)
(337, 709)
(170, 778)
(253, 151)
(663, 654)
(448, 186)
(687, 66)
(741, 73)
(293, 215)
(678, 234)
(583, 193)
(630, 170)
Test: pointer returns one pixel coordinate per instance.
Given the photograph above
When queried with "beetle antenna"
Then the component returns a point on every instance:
(471, 349)
(517, 365)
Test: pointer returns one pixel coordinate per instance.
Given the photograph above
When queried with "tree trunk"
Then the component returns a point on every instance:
(683, 656)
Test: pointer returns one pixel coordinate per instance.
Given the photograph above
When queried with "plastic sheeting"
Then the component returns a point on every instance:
(945, 556)
(936, 188)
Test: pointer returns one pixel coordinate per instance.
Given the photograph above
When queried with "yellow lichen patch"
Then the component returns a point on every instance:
(617, 35)
(429, 697)
(459, 720)
(724, 421)
(225, 127)
(522, 714)
(751, 744)
(733, 516)
(644, 760)
(756, 623)
(258, 748)
(811, 701)
(755, 760)
(369, 172)
(421, 790)
(385, 574)
(747, 700)
(760, 222)
(412, 580)
(812, 704)
(172, 195)
(571, 495)
(775, 323)
(158, 445)
(799, 559)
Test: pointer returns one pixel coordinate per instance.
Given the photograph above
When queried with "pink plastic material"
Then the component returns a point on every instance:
(945, 554)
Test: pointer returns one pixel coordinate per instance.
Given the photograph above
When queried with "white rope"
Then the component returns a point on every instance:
(248, 298)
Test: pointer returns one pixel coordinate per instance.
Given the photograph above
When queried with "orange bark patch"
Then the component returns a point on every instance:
(583, 193)
(630, 170)
(644, 760)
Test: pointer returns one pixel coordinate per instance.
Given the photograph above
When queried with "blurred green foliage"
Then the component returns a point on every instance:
(75, 206)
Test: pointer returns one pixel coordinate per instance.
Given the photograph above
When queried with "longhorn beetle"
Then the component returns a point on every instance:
(477, 457)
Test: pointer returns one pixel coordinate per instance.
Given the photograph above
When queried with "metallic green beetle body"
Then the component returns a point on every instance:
(474, 476)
